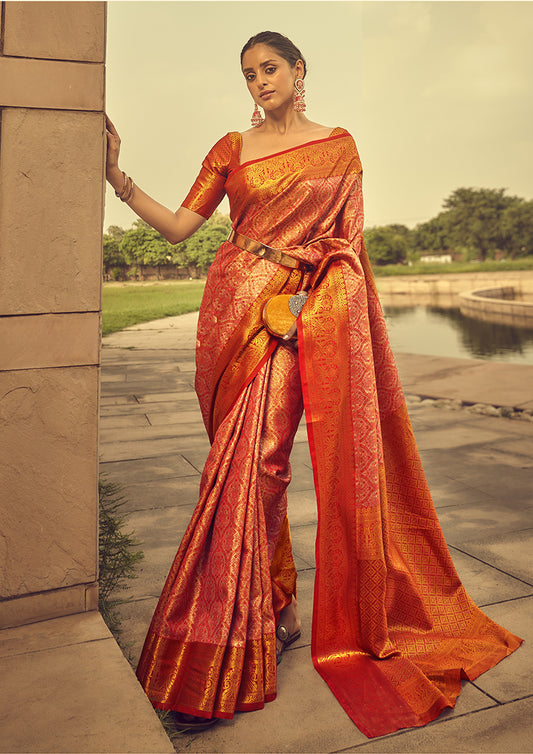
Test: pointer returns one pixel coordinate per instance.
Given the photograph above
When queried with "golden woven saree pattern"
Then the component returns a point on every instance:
(393, 629)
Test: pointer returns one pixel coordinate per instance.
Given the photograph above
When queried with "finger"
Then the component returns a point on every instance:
(290, 334)
(110, 127)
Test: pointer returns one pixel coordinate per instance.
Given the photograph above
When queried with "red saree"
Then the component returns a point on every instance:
(393, 629)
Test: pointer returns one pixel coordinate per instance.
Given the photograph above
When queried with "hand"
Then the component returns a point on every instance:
(292, 333)
(113, 172)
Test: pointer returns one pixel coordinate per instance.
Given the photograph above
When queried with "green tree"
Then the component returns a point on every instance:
(387, 244)
(475, 219)
(433, 235)
(517, 229)
(113, 257)
(142, 245)
(199, 250)
(115, 231)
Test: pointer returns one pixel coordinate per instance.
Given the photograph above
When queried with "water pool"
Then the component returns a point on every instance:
(436, 331)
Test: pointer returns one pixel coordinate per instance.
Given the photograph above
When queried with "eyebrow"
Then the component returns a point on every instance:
(261, 65)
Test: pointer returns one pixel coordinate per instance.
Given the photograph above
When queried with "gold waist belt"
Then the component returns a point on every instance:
(267, 252)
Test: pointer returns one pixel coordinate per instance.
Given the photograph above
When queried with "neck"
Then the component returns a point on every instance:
(283, 121)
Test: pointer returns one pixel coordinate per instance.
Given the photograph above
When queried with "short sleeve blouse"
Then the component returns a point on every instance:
(209, 188)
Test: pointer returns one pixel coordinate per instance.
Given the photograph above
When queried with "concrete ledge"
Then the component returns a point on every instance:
(500, 305)
(450, 284)
(54, 603)
(468, 380)
(66, 687)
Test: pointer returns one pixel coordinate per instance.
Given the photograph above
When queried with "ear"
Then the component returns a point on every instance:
(299, 69)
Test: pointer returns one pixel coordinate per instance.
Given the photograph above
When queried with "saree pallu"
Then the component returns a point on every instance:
(393, 631)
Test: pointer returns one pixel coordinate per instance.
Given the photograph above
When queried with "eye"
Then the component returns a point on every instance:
(249, 77)
(270, 69)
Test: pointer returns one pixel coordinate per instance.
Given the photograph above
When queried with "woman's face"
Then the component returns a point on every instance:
(270, 78)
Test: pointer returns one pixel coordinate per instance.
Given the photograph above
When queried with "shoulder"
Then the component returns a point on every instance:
(345, 149)
(224, 152)
(229, 142)
(340, 131)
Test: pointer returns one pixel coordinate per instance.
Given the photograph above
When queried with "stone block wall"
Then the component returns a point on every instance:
(51, 213)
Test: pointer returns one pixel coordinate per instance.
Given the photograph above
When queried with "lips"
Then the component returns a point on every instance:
(265, 94)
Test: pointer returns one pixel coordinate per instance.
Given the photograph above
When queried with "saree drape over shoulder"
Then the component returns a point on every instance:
(394, 630)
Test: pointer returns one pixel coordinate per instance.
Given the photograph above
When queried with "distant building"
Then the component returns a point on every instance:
(443, 258)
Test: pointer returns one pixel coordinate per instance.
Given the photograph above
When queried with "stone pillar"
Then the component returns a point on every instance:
(51, 214)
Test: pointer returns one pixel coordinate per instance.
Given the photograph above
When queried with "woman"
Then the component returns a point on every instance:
(393, 628)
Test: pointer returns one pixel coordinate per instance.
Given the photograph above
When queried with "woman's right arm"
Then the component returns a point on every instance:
(174, 226)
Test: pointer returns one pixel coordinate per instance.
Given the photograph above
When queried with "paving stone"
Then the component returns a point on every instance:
(301, 506)
(50, 634)
(479, 469)
(497, 481)
(124, 421)
(484, 583)
(454, 436)
(148, 387)
(123, 356)
(120, 399)
(197, 456)
(303, 542)
(161, 532)
(185, 402)
(302, 477)
(148, 432)
(447, 492)
(510, 552)
(81, 693)
(511, 678)
(482, 517)
(497, 729)
(513, 452)
(116, 450)
(147, 397)
(175, 418)
(135, 617)
(162, 493)
(141, 470)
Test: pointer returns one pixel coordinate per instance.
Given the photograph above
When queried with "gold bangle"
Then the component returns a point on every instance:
(126, 192)
(120, 193)
(129, 192)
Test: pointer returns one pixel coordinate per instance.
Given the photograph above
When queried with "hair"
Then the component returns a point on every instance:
(278, 42)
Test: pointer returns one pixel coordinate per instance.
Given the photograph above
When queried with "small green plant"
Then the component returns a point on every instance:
(118, 556)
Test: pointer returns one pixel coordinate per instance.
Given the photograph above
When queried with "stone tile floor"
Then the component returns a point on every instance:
(480, 472)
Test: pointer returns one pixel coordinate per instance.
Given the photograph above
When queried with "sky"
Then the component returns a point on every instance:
(437, 94)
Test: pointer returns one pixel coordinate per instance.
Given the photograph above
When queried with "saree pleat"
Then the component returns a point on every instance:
(211, 646)
(394, 630)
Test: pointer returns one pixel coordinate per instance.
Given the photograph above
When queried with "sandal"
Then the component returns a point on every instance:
(185, 723)
(283, 635)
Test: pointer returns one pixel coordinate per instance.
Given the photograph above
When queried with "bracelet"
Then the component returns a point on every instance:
(125, 179)
(126, 192)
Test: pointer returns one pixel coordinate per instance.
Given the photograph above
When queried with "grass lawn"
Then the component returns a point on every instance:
(126, 304)
(437, 268)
